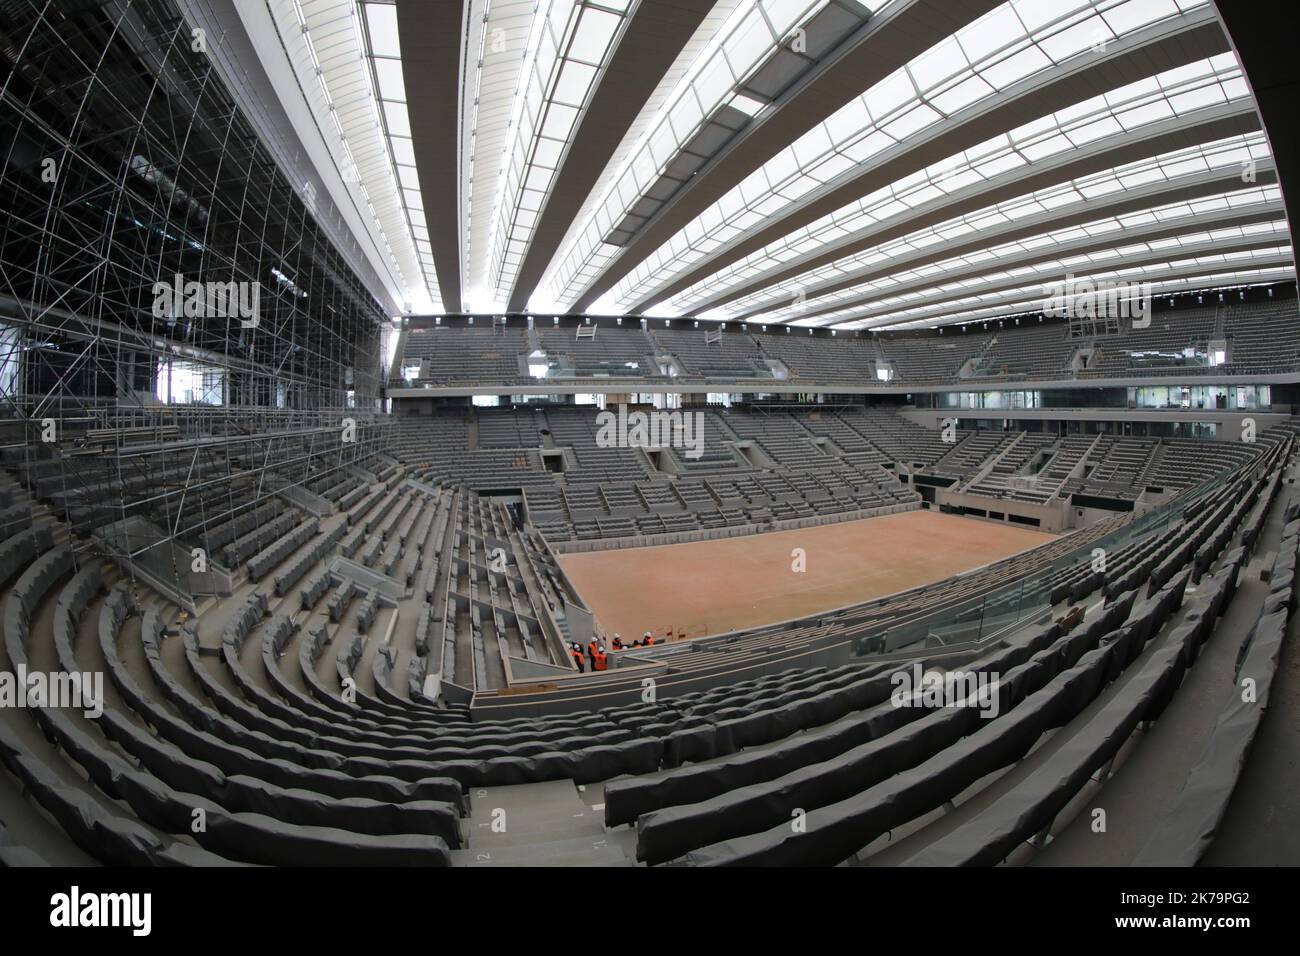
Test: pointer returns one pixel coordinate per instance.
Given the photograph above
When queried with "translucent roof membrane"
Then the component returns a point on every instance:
(996, 256)
(1020, 40)
(1019, 153)
(1223, 155)
(754, 31)
(1230, 278)
(938, 301)
(380, 33)
(1031, 295)
(325, 44)
(1219, 270)
(569, 47)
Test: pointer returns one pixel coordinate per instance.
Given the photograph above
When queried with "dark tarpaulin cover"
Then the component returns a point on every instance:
(251, 837)
(867, 715)
(667, 833)
(1186, 832)
(858, 820)
(235, 759)
(1031, 806)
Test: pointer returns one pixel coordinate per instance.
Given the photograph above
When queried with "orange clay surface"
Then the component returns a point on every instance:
(708, 587)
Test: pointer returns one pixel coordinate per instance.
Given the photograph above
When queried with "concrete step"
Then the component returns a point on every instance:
(530, 813)
(577, 851)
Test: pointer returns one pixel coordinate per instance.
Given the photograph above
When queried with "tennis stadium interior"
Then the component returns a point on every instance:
(642, 433)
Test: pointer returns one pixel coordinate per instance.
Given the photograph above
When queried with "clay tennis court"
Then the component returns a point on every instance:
(708, 587)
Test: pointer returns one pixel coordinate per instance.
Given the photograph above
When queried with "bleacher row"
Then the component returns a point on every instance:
(1187, 829)
(762, 465)
(1176, 342)
(285, 767)
(815, 464)
(854, 779)
(233, 502)
(380, 527)
(1205, 528)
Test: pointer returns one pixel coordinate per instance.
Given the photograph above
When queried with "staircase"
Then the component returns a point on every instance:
(986, 470)
(540, 824)
(1153, 464)
(972, 364)
(1080, 467)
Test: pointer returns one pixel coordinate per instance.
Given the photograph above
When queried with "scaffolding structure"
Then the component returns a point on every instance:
(139, 216)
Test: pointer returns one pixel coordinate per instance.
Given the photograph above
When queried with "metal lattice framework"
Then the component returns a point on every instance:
(130, 169)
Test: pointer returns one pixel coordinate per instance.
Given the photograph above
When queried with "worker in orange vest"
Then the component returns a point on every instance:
(599, 659)
(648, 640)
(618, 643)
(576, 651)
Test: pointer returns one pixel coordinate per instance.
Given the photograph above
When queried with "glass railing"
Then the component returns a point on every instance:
(1002, 609)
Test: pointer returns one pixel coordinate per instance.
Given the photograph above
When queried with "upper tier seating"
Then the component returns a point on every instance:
(474, 354)
(1176, 343)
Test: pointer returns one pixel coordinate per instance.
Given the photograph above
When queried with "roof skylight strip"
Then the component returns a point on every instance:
(570, 47)
(1033, 305)
(376, 25)
(1026, 296)
(751, 35)
(899, 107)
(940, 299)
(999, 255)
(994, 160)
(1197, 159)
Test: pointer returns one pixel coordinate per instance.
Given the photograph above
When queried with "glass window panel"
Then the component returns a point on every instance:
(381, 23)
(889, 94)
(715, 80)
(1015, 67)
(912, 122)
(748, 43)
(574, 82)
(962, 95)
(399, 123)
(548, 153)
(784, 14)
(1136, 13)
(389, 76)
(941, 61)
(595, 32)
(990, 33)
(403, 151)
(559, 121)
(1091, 34)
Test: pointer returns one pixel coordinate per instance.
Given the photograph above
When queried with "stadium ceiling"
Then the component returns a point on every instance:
(842, 163)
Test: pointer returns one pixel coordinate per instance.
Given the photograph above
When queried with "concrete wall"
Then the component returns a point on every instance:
(1054, 517)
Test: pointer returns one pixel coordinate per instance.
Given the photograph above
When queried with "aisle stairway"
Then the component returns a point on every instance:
(540, 824)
